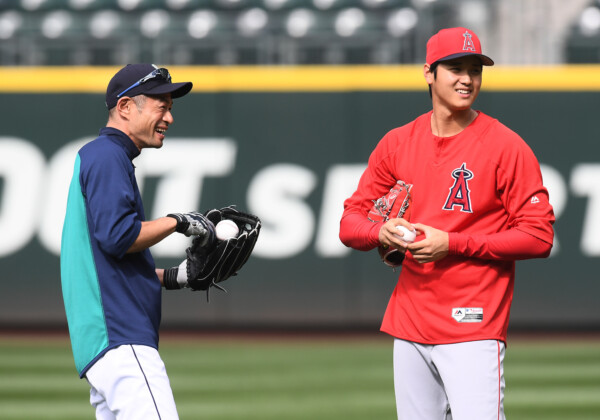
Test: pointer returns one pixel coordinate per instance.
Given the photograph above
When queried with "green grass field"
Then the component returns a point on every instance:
(299, 378)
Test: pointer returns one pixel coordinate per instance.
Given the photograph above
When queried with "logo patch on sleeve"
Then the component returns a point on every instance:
(467, 314)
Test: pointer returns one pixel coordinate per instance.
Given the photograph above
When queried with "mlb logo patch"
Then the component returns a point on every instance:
(467, 314)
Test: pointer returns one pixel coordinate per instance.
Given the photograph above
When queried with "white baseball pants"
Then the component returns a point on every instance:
(462, 381)
(129, 383)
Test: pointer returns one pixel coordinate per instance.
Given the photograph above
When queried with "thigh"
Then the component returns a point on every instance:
(417, 385)
(131, 382)
(473, 376)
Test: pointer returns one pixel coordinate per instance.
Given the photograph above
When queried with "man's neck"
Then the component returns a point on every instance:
(447, 124)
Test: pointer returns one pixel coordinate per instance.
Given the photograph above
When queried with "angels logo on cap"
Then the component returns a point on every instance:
(453, 43)
(469, 46)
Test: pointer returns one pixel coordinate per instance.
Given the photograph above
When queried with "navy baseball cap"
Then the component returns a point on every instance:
(143, 79)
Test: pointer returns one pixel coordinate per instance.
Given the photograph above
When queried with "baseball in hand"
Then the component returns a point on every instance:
(409, 234)
(226, 229)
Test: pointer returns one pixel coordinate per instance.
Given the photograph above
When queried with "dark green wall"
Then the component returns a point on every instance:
(313, 132)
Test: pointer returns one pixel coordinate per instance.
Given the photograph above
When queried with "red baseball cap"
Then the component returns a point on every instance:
(453, 43)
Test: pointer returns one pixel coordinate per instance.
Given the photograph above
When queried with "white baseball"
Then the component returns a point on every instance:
(409, 234)
(226, 229)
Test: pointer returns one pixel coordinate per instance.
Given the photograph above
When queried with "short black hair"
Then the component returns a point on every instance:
(433, 69)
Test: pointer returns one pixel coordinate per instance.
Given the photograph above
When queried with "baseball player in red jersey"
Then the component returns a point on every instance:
(478, 204)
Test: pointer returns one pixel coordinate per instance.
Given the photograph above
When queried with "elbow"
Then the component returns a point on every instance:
(114, 249)
(546, 250)
(344, 239)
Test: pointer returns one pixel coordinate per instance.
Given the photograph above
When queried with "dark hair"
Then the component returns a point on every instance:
(433, 69)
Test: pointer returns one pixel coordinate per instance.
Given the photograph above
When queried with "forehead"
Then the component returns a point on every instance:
(468, 60)
(163, 98)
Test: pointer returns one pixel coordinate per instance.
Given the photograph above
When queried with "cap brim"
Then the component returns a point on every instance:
(177, 90)
(485, 60)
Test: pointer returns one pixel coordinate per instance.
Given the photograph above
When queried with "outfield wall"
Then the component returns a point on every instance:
(288, 144)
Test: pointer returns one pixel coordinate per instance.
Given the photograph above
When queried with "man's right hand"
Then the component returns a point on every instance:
(194, 223)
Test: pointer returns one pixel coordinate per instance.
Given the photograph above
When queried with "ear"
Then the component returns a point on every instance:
(428, 74)
(124, 107)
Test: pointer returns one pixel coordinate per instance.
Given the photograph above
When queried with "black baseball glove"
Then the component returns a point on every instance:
(207, 265)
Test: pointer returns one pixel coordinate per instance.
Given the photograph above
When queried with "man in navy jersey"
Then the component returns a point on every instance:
(111, 287)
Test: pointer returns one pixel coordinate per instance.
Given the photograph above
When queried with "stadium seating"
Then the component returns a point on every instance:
(221, 32)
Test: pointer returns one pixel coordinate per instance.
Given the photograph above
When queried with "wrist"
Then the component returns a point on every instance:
(170, 279)
(182, 223)
(176, 277)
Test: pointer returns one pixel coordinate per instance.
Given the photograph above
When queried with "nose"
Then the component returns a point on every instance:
(465, 78)
(168, 117)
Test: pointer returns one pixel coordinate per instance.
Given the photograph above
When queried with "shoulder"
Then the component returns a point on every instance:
(102, 155)
(494, 130)
(99, 147)
(103, 149)
(419, 123)
(508, 146)
(406, 133)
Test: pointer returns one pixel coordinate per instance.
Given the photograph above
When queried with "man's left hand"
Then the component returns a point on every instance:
(433, 248)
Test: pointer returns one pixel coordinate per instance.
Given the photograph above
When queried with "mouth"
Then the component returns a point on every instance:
(161, 131)
(463, 92)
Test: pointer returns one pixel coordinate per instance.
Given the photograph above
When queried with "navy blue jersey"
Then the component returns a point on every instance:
(111, 297)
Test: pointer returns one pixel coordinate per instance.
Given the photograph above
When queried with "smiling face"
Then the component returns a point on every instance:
(149, 120)
(456, 84)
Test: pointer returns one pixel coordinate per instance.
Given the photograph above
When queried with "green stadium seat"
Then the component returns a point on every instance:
(187, 4)
(59, 24)
(401, 21)
(85, 5)
(307, 23)
(252, 22)
(356, 22)
(335, 4)
(105, 24)
(154, 23)
(206, 23)
(385, 4)
(285, 4)
(11, 22)
(42, 5)
(134, 5)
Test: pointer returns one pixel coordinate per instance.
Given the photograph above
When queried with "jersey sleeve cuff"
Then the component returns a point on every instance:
(456, 242)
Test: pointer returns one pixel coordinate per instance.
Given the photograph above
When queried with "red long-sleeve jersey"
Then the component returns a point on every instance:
(484, 187)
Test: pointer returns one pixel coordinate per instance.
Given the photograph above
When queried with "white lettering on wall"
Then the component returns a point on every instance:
(585, 182)
(277, 194)
(33, 194)
(22, 167)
